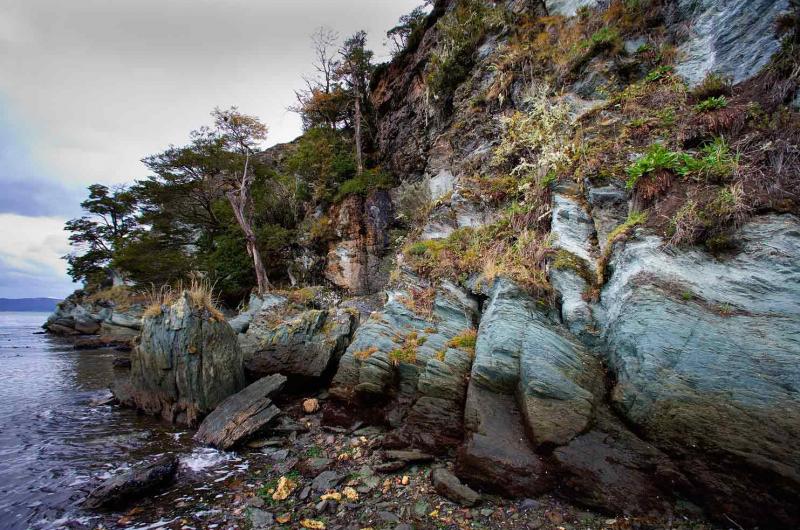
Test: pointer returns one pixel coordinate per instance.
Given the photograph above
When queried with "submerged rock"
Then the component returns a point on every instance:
(141, 480)
(242, 414)
(187, 362)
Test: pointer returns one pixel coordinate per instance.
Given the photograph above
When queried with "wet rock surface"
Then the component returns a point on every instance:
(241, 415)
(186, 363)
(141, 480)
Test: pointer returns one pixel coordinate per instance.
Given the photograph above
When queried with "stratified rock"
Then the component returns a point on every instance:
(406, 358)
(80, 315)
(307, 344)
(140, 481)
(568, 8)
(187, 362)
(241, 415)
(706, 354)
(448, 485)
(735, 39)
(103, 341)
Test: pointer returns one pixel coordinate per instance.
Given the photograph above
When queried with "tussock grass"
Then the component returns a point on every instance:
(200, 291)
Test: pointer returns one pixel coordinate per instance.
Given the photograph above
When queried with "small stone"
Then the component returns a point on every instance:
(408, 456)
(420, 508)
(487, 512)
(305, 493)
(388, 517)
(320, 506)
(310, 406)
(404, 481)
(554, 517)
(389, 467)
(529, 504)
(279, 455)
(404, 526)
(255, 502)
(260, 518)
(327, 480)
(283, 518)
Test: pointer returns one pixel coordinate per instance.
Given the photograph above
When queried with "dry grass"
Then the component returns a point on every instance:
(363, 355)
(465, 341)
(122, 297)
(200, 292)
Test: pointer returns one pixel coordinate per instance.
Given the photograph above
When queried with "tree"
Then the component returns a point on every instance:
(240, 134)
(408, 29)
(97, 236)
(354, 71)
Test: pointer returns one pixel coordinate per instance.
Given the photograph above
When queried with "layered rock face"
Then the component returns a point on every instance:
(405, 359)
(188, 360)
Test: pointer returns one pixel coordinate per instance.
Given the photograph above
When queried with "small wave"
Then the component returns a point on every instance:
(205, 457)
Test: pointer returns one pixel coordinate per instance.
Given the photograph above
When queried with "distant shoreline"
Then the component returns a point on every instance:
(28, 305)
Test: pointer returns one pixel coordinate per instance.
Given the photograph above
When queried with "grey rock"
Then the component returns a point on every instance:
(327, 480)
(529, 504)
(408, 456)
(305, 345)
(716, 369)
(186, 363)
(609, 209)
(139, 481)
(735, 39)
(260, 519)
(241, 322)
(242, 415)
(448, 485)
(388, 517)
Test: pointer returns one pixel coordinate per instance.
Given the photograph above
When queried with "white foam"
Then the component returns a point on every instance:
(204, 457)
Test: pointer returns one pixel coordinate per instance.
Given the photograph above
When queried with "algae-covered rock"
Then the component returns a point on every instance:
(187, 362)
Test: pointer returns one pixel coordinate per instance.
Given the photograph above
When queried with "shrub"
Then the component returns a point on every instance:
(714, 85)
(413, 201)
(408, 352)
(536, 142)
(461, 30)
(715, 163)
(657, 158)
(658, 73)
(712, 103)
(370, 179)
(604, 39)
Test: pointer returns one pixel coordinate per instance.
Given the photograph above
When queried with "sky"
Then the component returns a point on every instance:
(90, 87)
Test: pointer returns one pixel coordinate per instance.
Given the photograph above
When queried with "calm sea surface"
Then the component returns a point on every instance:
(55, 442)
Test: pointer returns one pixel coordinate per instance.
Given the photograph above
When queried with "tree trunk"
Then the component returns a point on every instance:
(359, 159)
(239, 204)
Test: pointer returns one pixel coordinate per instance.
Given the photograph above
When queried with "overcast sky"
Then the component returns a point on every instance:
(89, 87)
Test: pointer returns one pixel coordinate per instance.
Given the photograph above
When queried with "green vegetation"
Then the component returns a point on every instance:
(715, 163)
(461, 30)
(622, 231)
(656, 158)
(712, 103)
(658, 74)
(714, 85)
(371, 179)
(465, 341)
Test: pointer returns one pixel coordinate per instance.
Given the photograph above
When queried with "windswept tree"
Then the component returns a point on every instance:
(354, 71)
(409, 29)
(241, 134)
(97, 236)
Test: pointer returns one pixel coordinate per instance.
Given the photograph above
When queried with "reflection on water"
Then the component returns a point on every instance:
(53, 442)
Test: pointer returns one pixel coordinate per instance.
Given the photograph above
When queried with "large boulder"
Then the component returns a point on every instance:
(80, 314)
(187, 362)
(242, 414)
(706, 357)
(308, 344)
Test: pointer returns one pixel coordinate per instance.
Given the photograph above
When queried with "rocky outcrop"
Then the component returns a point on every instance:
(187, 362)
(241, 415)
(355, 260)
(141, 480)
(405, 357)
(80, 315)
(735, 39)
(705, 354)
(241, 322)
(308, 344)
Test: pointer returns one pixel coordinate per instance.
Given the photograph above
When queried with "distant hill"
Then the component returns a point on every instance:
(28, 304)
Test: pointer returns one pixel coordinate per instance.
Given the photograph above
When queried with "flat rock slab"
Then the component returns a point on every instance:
(408, 456)
(448, 485)
(241, 415)
(139, 481)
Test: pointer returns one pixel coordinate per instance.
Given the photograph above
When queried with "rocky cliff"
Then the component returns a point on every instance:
(551, 321)
(599, 298)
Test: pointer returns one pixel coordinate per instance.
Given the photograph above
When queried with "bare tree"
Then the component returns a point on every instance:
(242, 133)
(354, 70)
